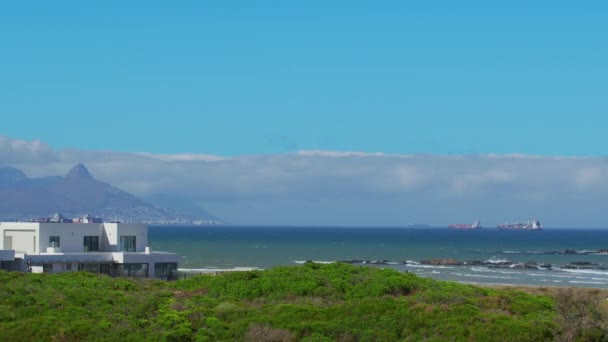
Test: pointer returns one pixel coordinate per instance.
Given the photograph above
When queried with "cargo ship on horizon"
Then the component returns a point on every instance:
(465, 226)
(530, 225)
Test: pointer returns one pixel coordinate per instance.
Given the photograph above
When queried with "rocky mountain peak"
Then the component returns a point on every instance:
(78, 172)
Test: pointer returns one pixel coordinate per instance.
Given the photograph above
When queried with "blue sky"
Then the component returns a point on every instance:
(241, 77)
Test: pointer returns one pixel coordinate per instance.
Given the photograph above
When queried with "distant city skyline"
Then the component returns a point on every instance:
(238, 78)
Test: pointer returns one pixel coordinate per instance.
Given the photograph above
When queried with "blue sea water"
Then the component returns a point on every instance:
(403, 249)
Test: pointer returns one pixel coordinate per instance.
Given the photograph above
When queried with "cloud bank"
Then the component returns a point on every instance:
(347, 188)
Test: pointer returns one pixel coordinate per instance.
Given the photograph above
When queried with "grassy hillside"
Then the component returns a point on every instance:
(312, 303)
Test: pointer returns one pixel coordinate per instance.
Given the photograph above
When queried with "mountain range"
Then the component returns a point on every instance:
(78, 193)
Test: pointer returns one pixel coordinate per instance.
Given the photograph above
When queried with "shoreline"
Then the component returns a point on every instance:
(188, 272)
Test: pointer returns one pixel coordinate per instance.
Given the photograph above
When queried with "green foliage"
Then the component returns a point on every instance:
(312, 303)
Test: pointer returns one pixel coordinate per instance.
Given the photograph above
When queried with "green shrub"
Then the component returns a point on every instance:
(311, 302)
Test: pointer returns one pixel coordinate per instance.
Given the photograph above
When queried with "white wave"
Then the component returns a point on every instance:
(584, 271)
(315, 261)
(435, 272)
(587, 282)
(489, 270)
(426, 266)
(486, 276)
(496, 261)
(511, 252)
(507, 272)
(548, 275)
(412, 262)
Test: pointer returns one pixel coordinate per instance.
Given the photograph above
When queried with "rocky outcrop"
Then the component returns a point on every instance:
(442, 262)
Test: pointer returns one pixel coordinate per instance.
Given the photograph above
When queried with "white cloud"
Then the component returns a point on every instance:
(181, 157)
(420, 188)
(589, 177)
(15, 151)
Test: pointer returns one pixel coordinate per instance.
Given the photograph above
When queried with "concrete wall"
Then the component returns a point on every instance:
(33, 238)
(71, 235)
(112, 232)
(21, 236)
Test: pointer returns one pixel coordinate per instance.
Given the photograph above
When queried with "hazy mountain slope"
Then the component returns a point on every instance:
(77, 193)
(78, 185)
(179, 204)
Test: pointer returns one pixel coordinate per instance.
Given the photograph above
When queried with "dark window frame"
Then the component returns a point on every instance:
(91, 243)
(128, 243)
(55, 239)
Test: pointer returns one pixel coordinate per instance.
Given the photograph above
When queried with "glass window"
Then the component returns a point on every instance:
(130, 270)
(92, 268)
(54, 241)
(91, 243)
(165, 270)
(127, 243)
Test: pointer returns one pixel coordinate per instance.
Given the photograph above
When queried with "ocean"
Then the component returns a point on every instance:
(554, 257)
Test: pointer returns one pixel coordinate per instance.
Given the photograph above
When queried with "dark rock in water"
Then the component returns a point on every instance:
(473, 262)
(353, 261)
(502, 264)
(377, 262)
(603, 251)
(544, 266)
(531, 263)
(450, 262)
(582, 263)
(570, 251)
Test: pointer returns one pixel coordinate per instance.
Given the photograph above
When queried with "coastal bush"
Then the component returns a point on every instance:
(312, 302)
(581, 316)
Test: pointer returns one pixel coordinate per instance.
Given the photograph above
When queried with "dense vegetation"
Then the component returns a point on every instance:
(312, 303)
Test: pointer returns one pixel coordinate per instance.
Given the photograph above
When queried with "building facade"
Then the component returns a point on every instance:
(115, 249)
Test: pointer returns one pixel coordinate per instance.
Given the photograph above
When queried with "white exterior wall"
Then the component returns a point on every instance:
(24, 236)
(31, 239)
(112, 232)
(71, 235)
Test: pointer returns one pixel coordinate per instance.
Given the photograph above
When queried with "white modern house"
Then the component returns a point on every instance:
(115, 249)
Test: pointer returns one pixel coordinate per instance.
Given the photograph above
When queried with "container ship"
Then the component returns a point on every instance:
(465, 226)
(530, 225)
